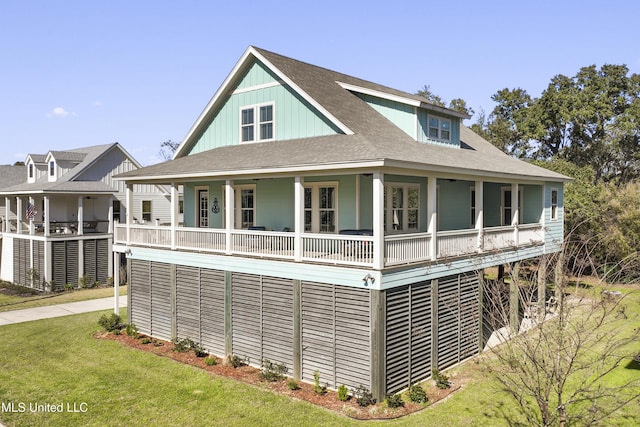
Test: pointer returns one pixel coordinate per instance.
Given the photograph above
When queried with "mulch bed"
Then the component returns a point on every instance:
(250, 375)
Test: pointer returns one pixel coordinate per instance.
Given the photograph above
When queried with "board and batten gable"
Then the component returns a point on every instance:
(294, 117)
(554, 227)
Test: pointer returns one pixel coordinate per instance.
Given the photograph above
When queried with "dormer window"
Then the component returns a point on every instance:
(256, 123)
(30, 168)
(439, 129)
(52, 168)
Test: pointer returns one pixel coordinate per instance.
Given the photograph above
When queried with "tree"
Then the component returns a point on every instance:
(560, 371)
(167, 148)
(431, 97)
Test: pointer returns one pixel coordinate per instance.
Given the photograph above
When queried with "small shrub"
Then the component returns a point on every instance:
(272, 371)
(131, 330)
(117, 332)
(199, 351)
(110, 322)
(145, 341)
(417, 394)
(363, 396)
(85, 282)
(317, 388)
(394, 401)
(343, 393)
(183, 346)
(293, 384)
(442, 381)
(69, 286)
(110, 281)
(210, 361)
(235, 361)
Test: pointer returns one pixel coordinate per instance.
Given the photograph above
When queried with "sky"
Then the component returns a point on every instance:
(82, 73)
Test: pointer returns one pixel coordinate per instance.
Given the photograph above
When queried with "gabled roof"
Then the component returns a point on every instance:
(368, 140)
(37, 158)
(68, 183)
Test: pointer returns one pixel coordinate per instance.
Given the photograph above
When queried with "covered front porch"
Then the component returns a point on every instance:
(371, 219)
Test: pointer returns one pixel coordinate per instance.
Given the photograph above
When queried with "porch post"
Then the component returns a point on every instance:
(175, 212)
(378, 220)
(129, 212)
(7, 224)
(298, 215)
(80, 216)
(514, 298)
(432, 219)
(515, 203)
(19, 215)
(116, 282)
(358, 201)
(32, 228)
(542, 288)
(47, 217)
(480, 213)
(110, 215)
(228, 213)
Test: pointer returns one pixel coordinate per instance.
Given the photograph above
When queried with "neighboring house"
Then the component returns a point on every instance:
(333, 225)
(9, 176)
(58, 222)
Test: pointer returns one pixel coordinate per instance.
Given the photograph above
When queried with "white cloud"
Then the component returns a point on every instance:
(97, 103)
(60, 112)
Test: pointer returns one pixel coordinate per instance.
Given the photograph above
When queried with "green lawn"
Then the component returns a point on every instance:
(58, 361)
(14, 302)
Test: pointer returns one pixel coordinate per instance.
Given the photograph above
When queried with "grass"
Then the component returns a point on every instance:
(59, 361)
(16, 302)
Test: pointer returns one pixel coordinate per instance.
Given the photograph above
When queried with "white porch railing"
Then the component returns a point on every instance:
(332, 248)
(406, 248)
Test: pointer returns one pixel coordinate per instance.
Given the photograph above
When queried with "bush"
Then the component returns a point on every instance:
(131, 330)
(110, 322)
(235, 361)
(183, 346)
(145, 340)
(442, 381)
(317, 388)
(417, 394)
(199, 351)
(68, 286)
(293, 384)
(343, 393)
(363, 396)
(210, 361)
(272, 371)
(394, 401)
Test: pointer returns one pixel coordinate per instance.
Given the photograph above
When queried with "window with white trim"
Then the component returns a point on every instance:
(245, 206)
(257, 123)
(320, 207)
(439, 128)
(146, 210)
(507, 206)
(30, 170)
(402, 207)
(202, 208)
(554, 203)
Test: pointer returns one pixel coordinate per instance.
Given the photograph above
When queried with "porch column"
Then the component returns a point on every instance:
(480, 213)
(116, 282)
(7, 209)
(515, 203)
(378, 220)
(542, 288)
(514, 298)
(228, 213)
(175, 212)
(80, 216)
(19, 215)
(32, 228)
(110, 215)
(129, 211)
(47, 216)
(358, 201)
(432, 219)
(298, 215)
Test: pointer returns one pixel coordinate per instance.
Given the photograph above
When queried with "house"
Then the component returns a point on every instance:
(9, 176)
(333, 225)
(58, 221)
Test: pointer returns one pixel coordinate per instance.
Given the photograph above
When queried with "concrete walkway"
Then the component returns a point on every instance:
(58, 310)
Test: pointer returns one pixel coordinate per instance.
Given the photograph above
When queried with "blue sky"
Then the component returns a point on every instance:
(81, 73)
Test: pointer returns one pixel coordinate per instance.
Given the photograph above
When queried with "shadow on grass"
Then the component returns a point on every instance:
(634, 364)
(579, 284)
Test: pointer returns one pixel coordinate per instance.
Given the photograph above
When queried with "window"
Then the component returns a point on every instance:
(320, 208)
(203, 208)
(52, 168)
(402, 207)
(116, 210)
(554, 204)
(146, 210)
(245, 206)
(30, 170)
(264, 130)
(439, 129)
(507, 206)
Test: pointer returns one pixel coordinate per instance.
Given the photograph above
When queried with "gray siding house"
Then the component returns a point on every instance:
(332, 224)
(58, 221)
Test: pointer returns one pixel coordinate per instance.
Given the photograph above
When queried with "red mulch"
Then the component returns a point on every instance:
(249, 375)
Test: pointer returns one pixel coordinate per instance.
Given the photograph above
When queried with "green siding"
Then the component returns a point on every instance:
(423, 128)
(401, 115)
(294, 117)
(554, 229)
(492, 201)
(454, 205)
(532, 204)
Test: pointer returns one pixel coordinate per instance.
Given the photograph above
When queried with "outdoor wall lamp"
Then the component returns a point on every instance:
(368, 279)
